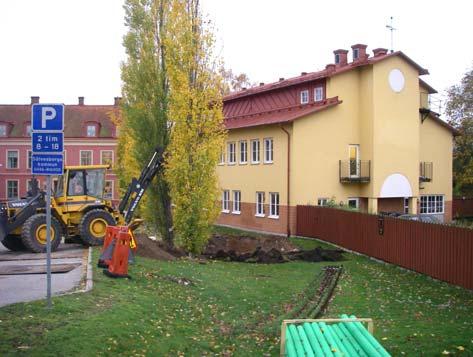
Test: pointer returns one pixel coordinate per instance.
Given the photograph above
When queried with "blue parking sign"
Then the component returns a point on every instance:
(47, 164)
(47, 142)
(47, 117)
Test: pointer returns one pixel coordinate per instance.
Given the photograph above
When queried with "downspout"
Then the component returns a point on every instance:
(288, 220)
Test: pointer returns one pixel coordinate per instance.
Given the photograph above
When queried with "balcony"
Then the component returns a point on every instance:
(354, 171)
(426, 170)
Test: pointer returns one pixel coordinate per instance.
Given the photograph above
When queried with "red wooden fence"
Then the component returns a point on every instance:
(462, 207)
(440, 251)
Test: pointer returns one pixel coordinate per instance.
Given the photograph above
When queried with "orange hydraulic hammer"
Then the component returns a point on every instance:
(118, 267)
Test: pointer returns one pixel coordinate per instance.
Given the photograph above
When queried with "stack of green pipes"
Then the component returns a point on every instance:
(342, 339)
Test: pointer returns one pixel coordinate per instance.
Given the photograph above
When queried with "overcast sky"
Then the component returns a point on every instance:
(62, 49)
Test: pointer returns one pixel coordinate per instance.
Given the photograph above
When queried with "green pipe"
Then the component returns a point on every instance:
(331, 341)
(313, 340)
(360, 338)
(305, 342)
(340, 343)
(290, 350)
(297, 341)
(359, 351)
(371, 338)
(320, 337)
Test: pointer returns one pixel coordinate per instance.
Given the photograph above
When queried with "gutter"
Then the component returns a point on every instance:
(288, 180)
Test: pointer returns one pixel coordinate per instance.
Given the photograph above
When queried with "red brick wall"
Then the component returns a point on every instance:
(247, 219)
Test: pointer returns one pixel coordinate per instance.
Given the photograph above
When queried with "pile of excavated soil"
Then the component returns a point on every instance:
(267, 249)
(149, 248)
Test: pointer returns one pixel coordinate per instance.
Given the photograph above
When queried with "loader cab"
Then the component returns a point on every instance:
(80, 185)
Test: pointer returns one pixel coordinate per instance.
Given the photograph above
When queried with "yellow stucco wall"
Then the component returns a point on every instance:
(250, 178)
(321, 140)
(437, 146)
(396, 125)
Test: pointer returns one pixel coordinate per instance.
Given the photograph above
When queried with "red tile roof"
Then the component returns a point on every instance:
(279, 116)
(322, 74)
(75, 116)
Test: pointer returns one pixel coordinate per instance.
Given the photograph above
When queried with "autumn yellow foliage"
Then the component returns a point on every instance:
(195, 114)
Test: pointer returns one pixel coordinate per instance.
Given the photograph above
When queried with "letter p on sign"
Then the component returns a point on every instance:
(47, 113)
(47, 117)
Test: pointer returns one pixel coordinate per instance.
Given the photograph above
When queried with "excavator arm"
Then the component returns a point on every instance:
(137, 187)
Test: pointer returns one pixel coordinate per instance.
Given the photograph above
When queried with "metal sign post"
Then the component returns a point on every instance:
(48, 241)
(47, 145)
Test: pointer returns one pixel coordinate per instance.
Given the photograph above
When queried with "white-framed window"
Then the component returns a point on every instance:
(337, 58)
(231, 153)
(304, 96)
(3, 130)
(106, 157)
(225, 201)
(222, 157)
(318, 94)
(236, 202)
(354, 203)
(431, 204)
(255, 151)
(268, 150)
(356, 53)
(28, 129)
(28, 159)
(406, 205)
(12, 159)
(86, 157)
(259, 204)
(243, 152)
(322, 202)
(108, 190)
(91, 130)
(12, 189)
(274, 205)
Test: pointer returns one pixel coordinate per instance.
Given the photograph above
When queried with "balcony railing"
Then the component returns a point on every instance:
(426, 171)
(355, 171)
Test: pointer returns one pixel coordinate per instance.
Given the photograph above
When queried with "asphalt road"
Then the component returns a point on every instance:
(23, 277)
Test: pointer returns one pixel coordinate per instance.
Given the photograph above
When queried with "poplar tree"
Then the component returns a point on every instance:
(144, 122)
(460, 112)
(195, 111)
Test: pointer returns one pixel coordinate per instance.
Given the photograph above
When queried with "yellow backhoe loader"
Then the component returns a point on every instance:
(78, 208)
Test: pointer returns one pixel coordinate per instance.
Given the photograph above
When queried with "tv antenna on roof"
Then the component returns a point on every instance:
(392, 29)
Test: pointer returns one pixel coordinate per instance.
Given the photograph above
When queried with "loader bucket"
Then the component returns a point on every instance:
(3, 224)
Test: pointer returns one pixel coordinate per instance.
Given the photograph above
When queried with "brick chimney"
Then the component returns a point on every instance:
(359, 52)
(81, 100)
(330, 67)
(340, 57)
(34, 100)
(380, 52)
(117, 101)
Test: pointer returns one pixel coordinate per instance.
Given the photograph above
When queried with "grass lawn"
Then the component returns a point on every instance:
(235, 309)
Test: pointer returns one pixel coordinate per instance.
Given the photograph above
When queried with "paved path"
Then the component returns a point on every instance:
(16, 286)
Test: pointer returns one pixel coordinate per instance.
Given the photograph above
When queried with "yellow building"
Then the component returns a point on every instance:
(358, 133)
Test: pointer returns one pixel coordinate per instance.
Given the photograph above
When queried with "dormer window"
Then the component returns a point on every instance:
(337, 58)
(356, 53)
(91, 130)
(318, 94)
(3, 130)
(304, 97)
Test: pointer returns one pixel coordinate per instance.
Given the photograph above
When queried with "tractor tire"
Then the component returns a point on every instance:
(13, 242)
(33, 234)
(93, 226)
